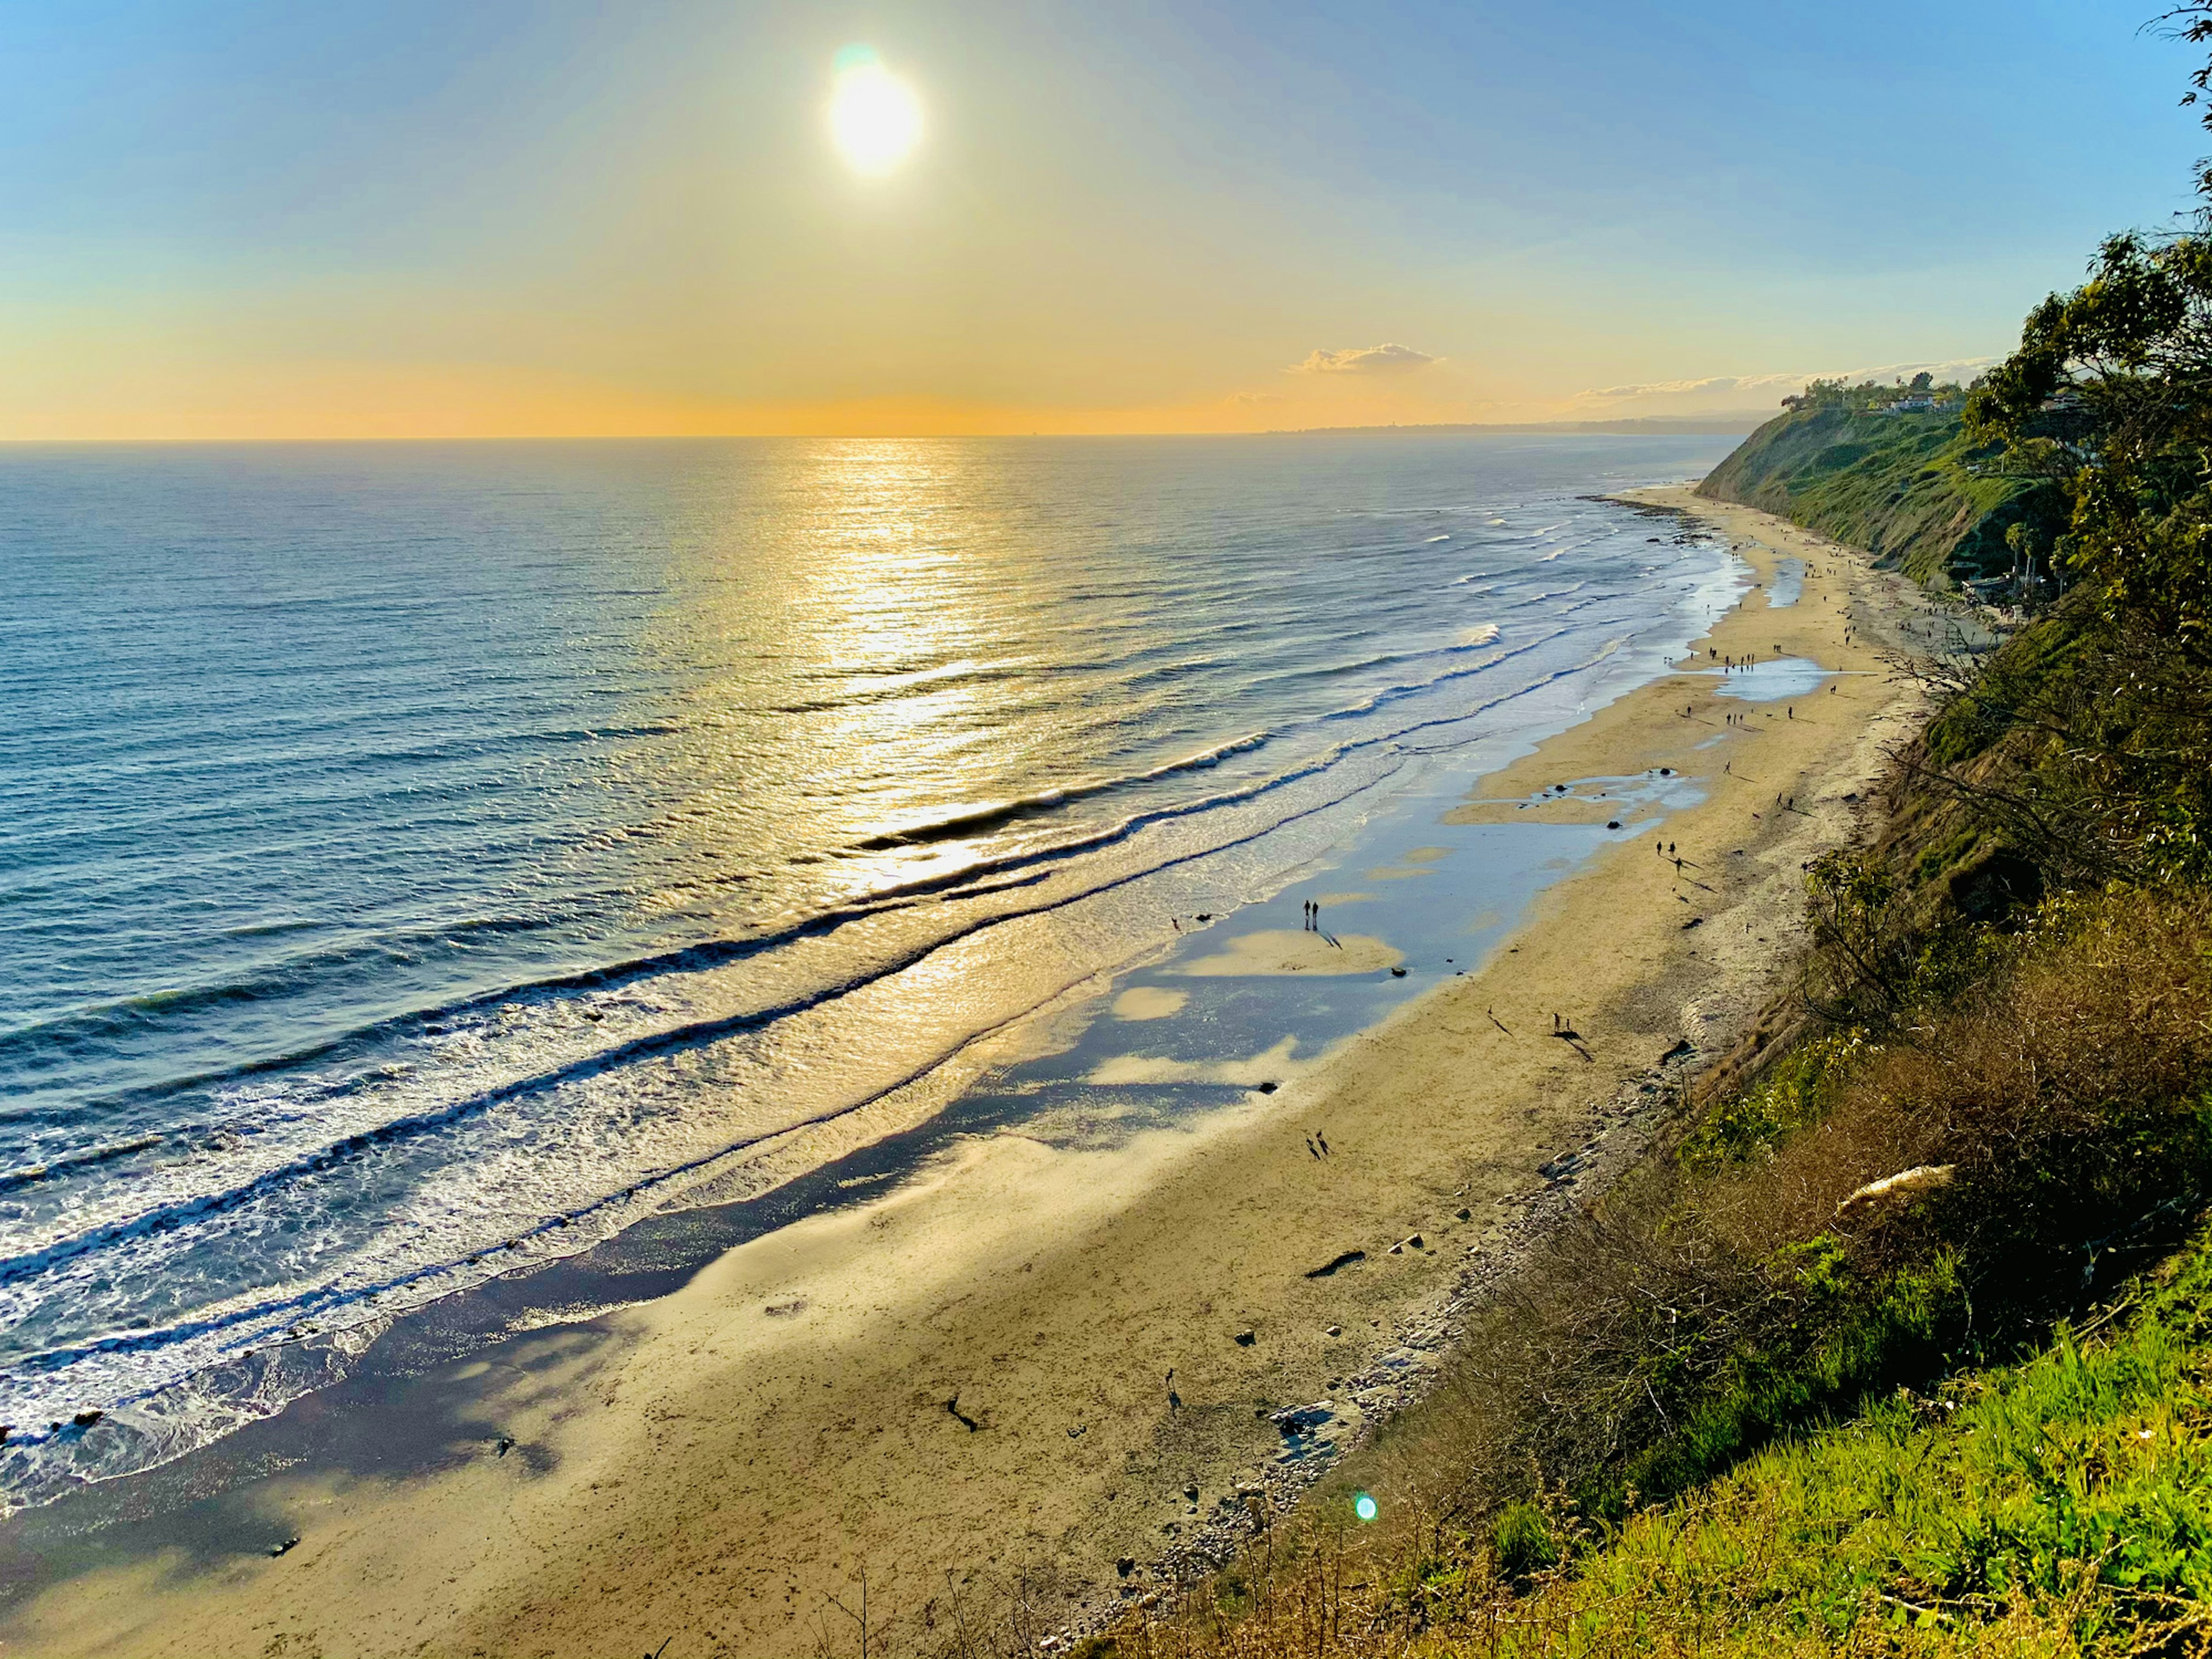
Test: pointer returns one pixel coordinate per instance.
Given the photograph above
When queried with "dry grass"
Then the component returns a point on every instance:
(1683, 1342)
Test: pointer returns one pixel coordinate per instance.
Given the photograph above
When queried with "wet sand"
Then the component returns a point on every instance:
(962, 1390)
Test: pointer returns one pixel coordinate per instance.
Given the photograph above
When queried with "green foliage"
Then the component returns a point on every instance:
(1523, 1541)
(1850, 1333)
(2093, 1460)
(2024, 675)
(1915, 489)
(1795, 1093)
(2110, 396)
(1864, 963)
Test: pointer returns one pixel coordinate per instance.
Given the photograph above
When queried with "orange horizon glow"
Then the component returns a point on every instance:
(420, 222)
(362, 403)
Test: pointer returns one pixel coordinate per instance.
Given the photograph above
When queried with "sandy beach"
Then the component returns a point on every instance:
(1032, 1363)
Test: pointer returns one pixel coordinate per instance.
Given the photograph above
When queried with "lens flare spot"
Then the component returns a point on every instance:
(875, 119)
(1364, 1507)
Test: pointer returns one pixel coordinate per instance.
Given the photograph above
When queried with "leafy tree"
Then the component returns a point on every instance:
(2110, 395)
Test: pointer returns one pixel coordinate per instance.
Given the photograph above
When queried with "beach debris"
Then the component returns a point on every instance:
(1397, 973)
(1269, 1087)
(1681, 1050)
(1397, 1249)
(1560, 1167)
(86, 1419)
(1191, 1492)
(1380, 1386)
(1613, 823)
(965, 1421)
(284, 1548)
(783, 1309)
(1463, 1214)
(1246, 1339)
(1905, 1183)
(1125, 1566)
(1205, 915)
(1332, 1265)
(1078, 1431)
(1694, 922)
(1417, 1241)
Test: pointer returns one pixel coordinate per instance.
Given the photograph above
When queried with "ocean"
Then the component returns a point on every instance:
(419, 862)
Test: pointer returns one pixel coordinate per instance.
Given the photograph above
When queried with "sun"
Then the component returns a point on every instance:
(874, 117)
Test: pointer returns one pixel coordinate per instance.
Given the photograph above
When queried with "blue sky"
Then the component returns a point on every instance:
(300, 220)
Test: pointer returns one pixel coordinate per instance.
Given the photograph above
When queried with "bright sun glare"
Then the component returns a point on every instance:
(873, 116)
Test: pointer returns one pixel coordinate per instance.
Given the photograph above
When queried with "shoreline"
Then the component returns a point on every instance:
(720, 1462)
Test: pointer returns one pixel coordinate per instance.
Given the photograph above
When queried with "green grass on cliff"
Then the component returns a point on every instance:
(1910, 488)
(2059, 1505)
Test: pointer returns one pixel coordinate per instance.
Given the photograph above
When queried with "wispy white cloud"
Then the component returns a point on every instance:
(1733, 391)
(1364, 360)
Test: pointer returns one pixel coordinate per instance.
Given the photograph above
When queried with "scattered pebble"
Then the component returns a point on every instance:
(1314, 1437)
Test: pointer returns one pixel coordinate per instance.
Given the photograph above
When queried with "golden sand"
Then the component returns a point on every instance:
(1285, 951)
(714, 1467)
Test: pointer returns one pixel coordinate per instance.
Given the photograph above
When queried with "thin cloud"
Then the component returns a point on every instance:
(1365, 360)
(1759, 388)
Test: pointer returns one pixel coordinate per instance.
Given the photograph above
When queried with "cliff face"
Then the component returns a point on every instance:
(1909, 488)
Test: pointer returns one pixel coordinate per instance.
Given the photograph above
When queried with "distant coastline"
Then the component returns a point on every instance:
(1729, 424)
